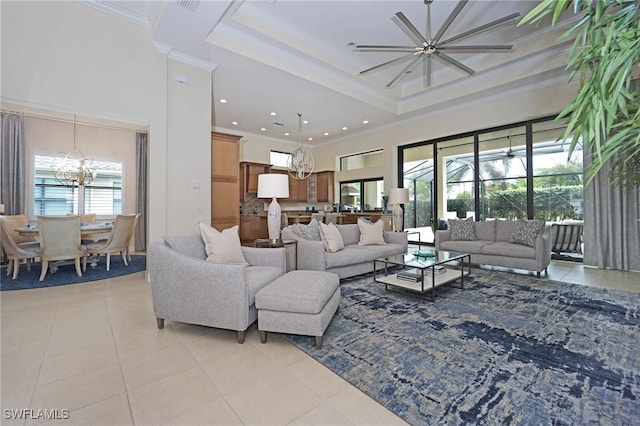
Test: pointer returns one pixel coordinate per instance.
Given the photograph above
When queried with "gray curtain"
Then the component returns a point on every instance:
(611, 224)
(12, 164)
(141, 199)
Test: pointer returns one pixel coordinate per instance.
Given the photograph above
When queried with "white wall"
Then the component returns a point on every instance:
(69, 58)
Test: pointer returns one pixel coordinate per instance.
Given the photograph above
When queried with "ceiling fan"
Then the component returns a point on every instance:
(430, 47)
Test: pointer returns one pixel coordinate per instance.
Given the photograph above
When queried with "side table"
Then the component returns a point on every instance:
(269, 243)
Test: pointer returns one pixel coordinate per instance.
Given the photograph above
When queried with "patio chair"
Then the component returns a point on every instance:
(566, 237)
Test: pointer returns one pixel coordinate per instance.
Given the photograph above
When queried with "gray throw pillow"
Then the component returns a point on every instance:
(462, 230)
(310, 231)
(525, 232)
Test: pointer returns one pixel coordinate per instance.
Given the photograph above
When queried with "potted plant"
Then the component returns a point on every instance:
(605, 56)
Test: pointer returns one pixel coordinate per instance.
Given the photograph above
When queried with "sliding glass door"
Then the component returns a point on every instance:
(509, 172)
(418, 177)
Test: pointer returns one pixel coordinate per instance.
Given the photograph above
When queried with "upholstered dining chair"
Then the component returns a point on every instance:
(16, 252)
(118, 241)
(133, 232)
(60, 240)
(318, 216)
(331, 218)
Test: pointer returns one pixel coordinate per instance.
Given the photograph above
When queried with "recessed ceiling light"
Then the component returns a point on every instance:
(365, 122)
(326, 133)
(305, 122)
(235, 123)
(287, 134)
(223, 101)
(309, 139)
(273, 114)
(262, 129)
(345, 128)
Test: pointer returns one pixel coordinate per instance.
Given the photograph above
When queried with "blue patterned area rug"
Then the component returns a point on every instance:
(67, 274)
(507, 349)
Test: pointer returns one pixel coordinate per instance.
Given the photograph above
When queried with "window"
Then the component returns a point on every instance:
(362, 195)
(279, 159)
(362, 160)
(513, 171)
(103, 197)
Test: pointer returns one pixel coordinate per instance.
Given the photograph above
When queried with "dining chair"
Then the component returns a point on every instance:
(133, 232)
(60, 240)
(118, 241)
(16, 252)
(331, 218)
(18, 221)
(318, 216)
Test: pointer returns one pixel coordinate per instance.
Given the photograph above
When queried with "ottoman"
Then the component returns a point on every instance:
(299, 302)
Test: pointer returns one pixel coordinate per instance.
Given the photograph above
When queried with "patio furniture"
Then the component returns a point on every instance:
(566, 237)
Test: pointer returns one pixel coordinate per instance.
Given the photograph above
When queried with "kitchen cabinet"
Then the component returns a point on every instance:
(324, 187)
(252, 227)
(225, 180)
(249, 173)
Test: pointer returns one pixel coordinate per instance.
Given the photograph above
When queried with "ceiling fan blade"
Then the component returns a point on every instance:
(413, 30)
(479, 48)
(369, 47)
(449, 61)
(480, 29)
(426, 75)
(384, 64)
(404, 71)
(450, 20)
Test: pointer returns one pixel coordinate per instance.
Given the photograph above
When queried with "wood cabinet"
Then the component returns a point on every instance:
(249, 177)
(324, 187)
(225, 180)
(317, 188)
(252, 227)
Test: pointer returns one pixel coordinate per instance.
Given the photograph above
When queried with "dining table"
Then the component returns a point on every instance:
(87, 231)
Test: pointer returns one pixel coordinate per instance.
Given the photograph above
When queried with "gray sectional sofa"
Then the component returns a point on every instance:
(350, 261)
(492, 246)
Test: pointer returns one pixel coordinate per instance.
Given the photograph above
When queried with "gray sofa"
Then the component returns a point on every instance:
(187, 288)
(353, 259)
(492, 247)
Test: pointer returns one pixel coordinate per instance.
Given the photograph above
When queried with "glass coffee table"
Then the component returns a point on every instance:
(422, 271)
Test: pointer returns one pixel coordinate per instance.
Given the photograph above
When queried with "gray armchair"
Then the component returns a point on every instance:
(187, 288)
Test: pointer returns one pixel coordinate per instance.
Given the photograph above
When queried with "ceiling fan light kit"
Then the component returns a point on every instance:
(428, 47)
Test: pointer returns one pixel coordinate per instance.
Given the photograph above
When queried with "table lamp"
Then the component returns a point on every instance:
(398, 196)
(273, 185)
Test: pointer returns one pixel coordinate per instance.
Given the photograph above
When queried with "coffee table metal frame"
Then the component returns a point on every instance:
(426, 267)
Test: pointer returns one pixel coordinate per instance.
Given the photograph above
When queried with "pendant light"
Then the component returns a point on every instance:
(300, 163)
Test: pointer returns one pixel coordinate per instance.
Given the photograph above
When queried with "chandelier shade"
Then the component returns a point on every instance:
(73, 168)
(300, 163)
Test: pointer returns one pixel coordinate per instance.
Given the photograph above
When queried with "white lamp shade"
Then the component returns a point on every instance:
(399, 196)
(273, 185)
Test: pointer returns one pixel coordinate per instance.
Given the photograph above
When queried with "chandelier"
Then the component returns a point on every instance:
(300, 163)
(73, 168)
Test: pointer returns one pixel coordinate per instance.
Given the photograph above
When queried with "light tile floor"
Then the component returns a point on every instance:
(94, 349)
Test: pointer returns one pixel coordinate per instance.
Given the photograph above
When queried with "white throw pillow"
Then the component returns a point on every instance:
(371, 234)
(332, 238)
(222, 247)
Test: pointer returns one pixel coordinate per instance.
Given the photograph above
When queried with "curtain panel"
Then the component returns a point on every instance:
(141, 198)
(12, 164)
(611, 224)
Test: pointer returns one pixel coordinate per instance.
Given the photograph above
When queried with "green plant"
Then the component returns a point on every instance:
(605, 115)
